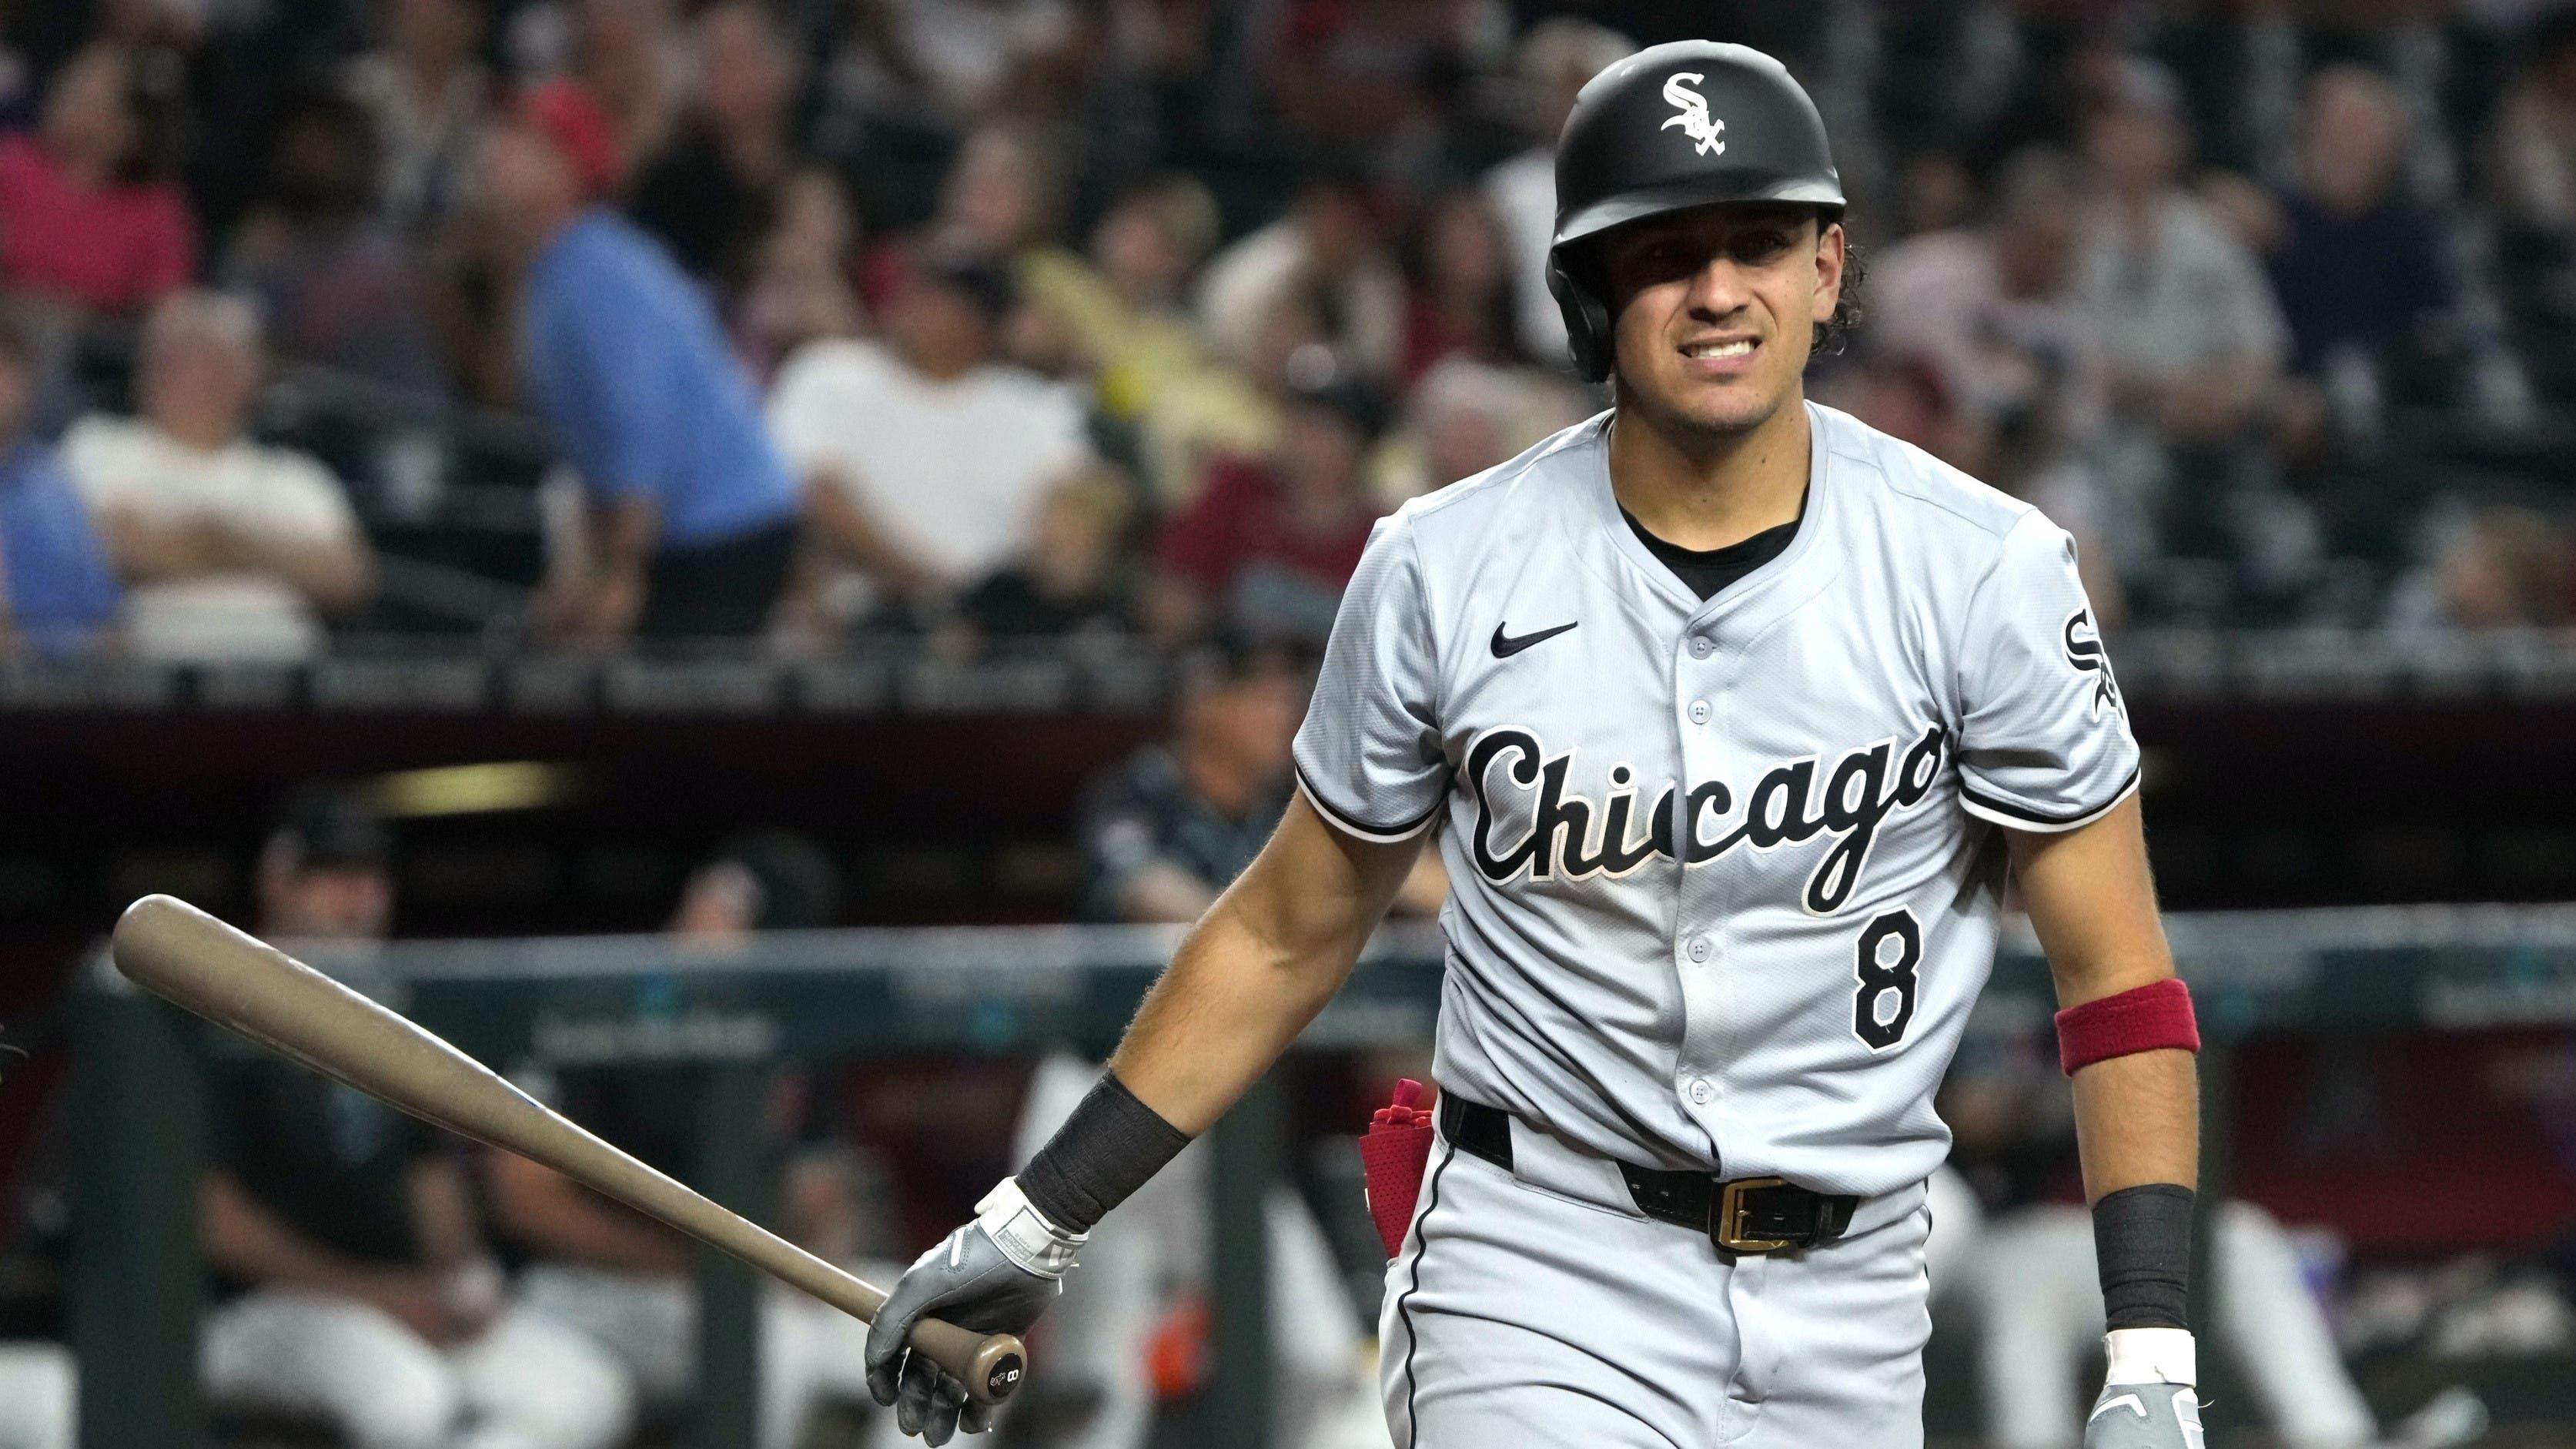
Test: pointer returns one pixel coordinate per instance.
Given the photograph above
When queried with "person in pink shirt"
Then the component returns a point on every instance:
(84, 217)
(1268, 544)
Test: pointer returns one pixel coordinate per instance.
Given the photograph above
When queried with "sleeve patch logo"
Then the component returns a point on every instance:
(2084, 653)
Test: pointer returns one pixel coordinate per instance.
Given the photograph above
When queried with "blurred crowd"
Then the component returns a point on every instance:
(376, 1284)
(1002, 319)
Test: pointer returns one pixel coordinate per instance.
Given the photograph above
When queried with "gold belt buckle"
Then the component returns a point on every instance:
(1731, 1209)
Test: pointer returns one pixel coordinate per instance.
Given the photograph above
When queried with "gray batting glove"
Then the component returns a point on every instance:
(2148, 1402)
(994, 1275)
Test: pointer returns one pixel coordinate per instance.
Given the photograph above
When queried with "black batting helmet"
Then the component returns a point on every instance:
(1672, 127)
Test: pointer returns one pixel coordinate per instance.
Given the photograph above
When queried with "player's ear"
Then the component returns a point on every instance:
(1832, 250)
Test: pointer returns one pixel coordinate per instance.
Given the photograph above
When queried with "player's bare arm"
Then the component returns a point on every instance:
(2125, 1030)
(1266, 957)
(1247, 979)
(2093, 906)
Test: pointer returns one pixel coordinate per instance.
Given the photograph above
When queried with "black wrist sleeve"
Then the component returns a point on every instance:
(1107, 1149)
(2142, 1245)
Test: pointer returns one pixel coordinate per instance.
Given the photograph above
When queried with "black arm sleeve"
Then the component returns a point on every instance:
(1106, 1150)
(2142, 1246)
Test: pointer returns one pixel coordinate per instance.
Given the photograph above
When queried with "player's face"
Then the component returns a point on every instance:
(336, 902)
(1717, 309)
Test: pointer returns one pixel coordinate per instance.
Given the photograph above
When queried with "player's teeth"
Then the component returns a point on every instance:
(1718, 349)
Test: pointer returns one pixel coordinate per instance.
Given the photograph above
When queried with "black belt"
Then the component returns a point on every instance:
(1747, 1215)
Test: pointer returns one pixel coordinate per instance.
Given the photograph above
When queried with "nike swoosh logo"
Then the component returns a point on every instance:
(1505, 646)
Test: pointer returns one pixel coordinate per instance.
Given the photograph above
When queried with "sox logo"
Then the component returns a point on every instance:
(2084, 652)
(1691, 114)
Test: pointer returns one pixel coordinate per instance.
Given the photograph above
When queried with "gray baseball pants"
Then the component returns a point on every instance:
(1537, 1307)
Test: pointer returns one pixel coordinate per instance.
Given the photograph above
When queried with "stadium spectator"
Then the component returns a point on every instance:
(956, 61)
(1993, 307)
(1556, 56)
(1367, 75)
(1174, 88)
(1465, 417)
(337, 286)
(802, 289)
(2191, 333)
(1458, 301)
(58, 592)
(924, 456)
(356, 1284)
(713, 192)
(428, 93)
(624, 1281)
(91, 221)
(2498, 566)
(2532, 150)
(2362, 270)
(1069, 584)
(228, 549)
(998, 199)
(1270, 543)
(1331, 245)
(625, 60)
(1120, 311)
(1173, 825)
(694, 518)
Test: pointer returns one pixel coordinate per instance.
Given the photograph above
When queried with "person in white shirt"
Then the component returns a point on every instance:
(1330, 242)
(924, 457)
(228, 549)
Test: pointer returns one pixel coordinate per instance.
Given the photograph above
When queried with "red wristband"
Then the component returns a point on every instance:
(2142, 1019)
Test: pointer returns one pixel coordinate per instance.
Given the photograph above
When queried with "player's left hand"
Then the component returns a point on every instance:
(2148, 1402)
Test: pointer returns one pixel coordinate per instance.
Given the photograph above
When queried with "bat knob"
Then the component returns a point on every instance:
(997, 1369)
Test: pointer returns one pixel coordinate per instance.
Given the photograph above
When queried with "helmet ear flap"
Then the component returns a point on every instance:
(1587, 322)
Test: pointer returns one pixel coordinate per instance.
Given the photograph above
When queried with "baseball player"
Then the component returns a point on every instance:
(1738, 715)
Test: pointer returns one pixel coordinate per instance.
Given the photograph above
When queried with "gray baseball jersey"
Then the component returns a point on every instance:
(1724, 874)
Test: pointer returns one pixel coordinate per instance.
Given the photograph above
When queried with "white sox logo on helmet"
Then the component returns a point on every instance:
(1691, 114)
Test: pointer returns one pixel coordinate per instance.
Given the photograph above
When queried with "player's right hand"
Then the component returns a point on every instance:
(2148, 1402)
(2144, 1416)
(994, 1275)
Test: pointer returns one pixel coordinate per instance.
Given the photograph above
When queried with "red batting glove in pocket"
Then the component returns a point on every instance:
(1394, 1155)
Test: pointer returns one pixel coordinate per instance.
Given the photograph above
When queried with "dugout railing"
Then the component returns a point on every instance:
(136, 1280)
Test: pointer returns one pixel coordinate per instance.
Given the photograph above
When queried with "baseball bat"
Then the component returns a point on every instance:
(240, 982)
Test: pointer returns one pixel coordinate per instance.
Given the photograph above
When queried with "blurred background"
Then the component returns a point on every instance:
(746, 560)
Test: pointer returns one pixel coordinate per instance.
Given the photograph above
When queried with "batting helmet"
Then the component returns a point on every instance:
(1672, 127)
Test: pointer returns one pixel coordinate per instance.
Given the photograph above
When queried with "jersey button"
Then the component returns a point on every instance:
(1700, 647)
(1699, 948)
(1699, 711)
(1701, 1091)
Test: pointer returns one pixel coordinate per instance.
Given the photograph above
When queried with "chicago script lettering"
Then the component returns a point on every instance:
(1571, 837)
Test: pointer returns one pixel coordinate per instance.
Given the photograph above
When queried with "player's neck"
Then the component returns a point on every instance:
(1702, 493)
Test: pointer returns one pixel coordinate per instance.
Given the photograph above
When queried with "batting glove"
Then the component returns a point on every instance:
(2147, 1402)
(994, 1275)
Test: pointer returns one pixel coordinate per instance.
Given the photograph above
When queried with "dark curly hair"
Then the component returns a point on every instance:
(1834, 333)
